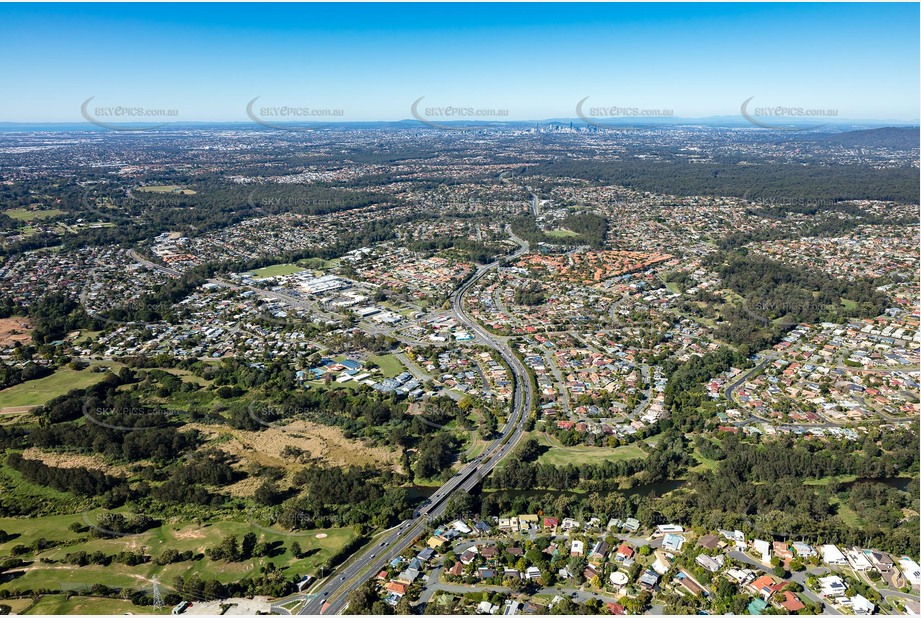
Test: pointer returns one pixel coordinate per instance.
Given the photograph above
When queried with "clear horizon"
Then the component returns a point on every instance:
(501, 62)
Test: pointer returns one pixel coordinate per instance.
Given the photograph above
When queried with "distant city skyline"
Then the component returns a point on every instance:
(500, 62)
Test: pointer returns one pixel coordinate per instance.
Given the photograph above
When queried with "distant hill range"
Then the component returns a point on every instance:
(897, 138)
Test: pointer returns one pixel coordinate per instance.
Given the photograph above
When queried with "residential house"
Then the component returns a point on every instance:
(649, 579)
(782, 550)
(832, 556)
(861, 605)
(673, 542)
(461, 527)
(711, 563)
(600, 550)
(482, 527)
(708, 541)
(662, 562)
(570, 524)
(763, 548)
(881, 561)
(910, 570)
(740, 576)
(804, 550)
(397, 588)
(589, 573)
(857, 560)
(624, 552)
(832, 586)
(527, 522)
(689, 584)
(765, 586)
(618, 579)
(469, 555)
(577, 548)
(791, 602)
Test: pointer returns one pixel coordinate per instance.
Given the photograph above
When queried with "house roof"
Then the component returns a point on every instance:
(710, 541)
(791, 602)
(625, 550)
(397, 587)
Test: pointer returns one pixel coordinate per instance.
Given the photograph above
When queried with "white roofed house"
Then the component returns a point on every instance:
(764, 549)
(857, 560)
(832, 586)
(831, 555)
(910, 570)
(862, 605)
(461, 527)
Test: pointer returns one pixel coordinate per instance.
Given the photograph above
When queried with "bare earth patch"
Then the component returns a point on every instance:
(319, 441)
(189, 533)
(73, 460)
(15, 329)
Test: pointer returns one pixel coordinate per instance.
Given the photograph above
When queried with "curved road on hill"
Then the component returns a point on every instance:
(331, 596)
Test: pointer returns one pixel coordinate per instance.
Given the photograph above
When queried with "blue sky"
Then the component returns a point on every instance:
(534, 60)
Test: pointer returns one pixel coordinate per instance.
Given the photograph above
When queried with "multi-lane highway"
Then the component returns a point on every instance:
(331, 595)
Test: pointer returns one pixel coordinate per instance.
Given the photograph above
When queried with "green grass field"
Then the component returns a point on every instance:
(38, 392)
(277, 270)
(390, 365)
(179, 536)
(318, 263)
(562, 456)
(704, 463)
(561, 233)
(166, 189)
(18, 606)
(825, 480)
(60, 605)
(25, 214)
(849, 305)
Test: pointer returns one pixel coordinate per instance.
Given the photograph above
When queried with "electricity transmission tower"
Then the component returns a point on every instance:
(157, 599)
